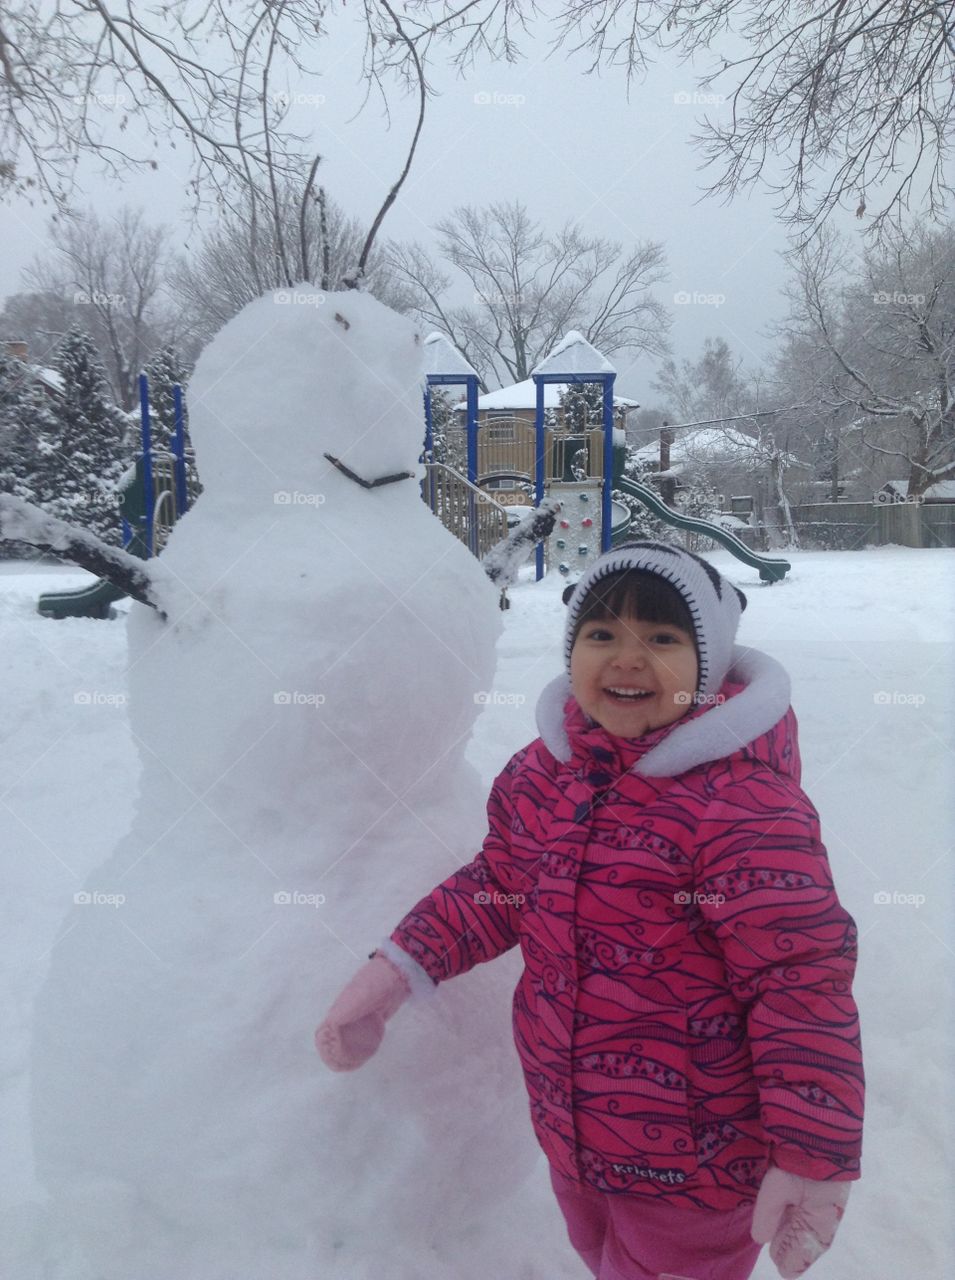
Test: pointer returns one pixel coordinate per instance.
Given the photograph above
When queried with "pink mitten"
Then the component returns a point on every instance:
(800, 1216)
(355, 1024)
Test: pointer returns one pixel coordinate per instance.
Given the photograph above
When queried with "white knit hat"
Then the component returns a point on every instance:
(715, 605)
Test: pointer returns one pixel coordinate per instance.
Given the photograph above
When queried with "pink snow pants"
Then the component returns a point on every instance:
(627, 1238)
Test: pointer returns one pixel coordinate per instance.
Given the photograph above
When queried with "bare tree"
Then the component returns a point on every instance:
(528, 288)
(880, 332)
(850, 97)
(111, 271)
(238, 260)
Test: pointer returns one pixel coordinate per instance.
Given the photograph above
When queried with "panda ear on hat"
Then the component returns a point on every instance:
(568, 592)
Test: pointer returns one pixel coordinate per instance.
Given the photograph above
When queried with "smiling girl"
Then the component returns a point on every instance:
(685, 1019)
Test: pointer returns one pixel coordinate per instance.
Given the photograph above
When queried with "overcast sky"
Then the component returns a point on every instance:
(566, 144)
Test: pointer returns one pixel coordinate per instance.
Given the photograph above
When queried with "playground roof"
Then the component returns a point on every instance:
(574, 354)
(523, 395)
(442, 356)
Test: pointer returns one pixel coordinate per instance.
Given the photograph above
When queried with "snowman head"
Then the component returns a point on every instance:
(298, 374)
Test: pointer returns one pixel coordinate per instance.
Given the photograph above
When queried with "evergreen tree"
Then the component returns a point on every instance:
(449, 440)
(701, 500)
(28, 430)
(643, 524)
(582, 404)
(86, 455)
(163, 370)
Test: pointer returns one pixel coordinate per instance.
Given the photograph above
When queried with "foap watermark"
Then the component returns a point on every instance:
(683, 898)
(492, 98)
(698, 699)
(293, 498)
(99, 698)
(688, 98)
(494, 698)
(286, 100)
(882, 298)
(94, 898)
(499, 899)
(897, 698)
(96, 298)
(895, 899)
(108, 101)
(684, 299)
(296, 699)
(294, 898)
(490, 298)
(298, 298)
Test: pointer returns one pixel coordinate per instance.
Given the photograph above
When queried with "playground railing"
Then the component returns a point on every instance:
(467, 511)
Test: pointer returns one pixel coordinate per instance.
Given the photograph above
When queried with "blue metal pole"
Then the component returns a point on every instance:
(472, 412)
(148, 496)
(179, 451)
(539, 469)
(606, 517)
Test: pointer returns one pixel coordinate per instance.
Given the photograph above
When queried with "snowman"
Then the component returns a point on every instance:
(301, 703)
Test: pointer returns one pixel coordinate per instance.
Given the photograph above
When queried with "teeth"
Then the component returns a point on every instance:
(630, 693)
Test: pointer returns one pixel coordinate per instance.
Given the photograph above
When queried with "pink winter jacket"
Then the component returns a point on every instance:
(685, 1010)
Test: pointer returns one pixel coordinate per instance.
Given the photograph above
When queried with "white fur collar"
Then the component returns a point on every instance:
(722, 730)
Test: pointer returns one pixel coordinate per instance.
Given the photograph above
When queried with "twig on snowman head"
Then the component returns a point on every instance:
(23, 522)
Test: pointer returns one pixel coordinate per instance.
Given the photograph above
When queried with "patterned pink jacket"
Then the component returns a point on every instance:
(685, 1012)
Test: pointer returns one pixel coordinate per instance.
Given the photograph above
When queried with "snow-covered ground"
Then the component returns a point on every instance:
(868, 640)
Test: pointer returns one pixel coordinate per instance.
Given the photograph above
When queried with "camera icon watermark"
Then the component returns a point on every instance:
(98, 698)
(494, 698)
(487, 98)
(684, 299)
(97, 298)
(686, 98)
(683, 898)
(895, 899)
(298, 298)
(896, 698)
(294, 898)
(883, 298)
(94, 898)
(284, 100)
(296, 699)
(498, 899)
(684, 699)
(294, 498)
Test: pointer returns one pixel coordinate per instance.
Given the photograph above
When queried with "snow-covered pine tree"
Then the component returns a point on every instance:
(449, 440)
(582, 405)
(700, 499)
(28, 431)
(89, 452)
(643, 523)
(163, 370)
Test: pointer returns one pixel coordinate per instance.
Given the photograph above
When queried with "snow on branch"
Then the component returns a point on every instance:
(23, 522)
(505, 558)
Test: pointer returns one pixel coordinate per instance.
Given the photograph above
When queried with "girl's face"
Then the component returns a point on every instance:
(632, 676)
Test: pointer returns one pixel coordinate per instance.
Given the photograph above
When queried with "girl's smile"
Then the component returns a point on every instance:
(633, 676)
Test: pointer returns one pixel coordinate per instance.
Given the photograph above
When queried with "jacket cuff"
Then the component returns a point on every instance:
(423, 987)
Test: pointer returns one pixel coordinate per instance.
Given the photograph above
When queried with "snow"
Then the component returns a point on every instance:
(523, 395)
(164, 1110)
(848, 626)
(941, 491)
(441, 356)
(574, 354)
(691, 446)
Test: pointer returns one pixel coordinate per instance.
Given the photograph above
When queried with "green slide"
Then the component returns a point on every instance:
(87, 602)
(769, 570)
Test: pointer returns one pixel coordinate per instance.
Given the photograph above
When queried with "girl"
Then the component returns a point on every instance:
(685, 1019)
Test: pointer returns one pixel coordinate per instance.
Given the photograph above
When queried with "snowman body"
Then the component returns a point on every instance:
(302, 716)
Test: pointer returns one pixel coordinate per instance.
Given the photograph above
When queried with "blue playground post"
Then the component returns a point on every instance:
(148, 495)
(539, 468)
(179, 452)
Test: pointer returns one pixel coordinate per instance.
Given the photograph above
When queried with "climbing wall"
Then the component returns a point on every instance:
(575, 541)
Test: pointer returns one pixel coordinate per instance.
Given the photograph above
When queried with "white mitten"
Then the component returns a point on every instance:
(799, 1216)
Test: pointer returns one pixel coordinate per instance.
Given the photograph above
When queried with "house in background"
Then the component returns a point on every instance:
(897, 491)
(48, 380)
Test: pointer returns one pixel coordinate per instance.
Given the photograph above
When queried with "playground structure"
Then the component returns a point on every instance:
(579, 467)
(160, 486)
